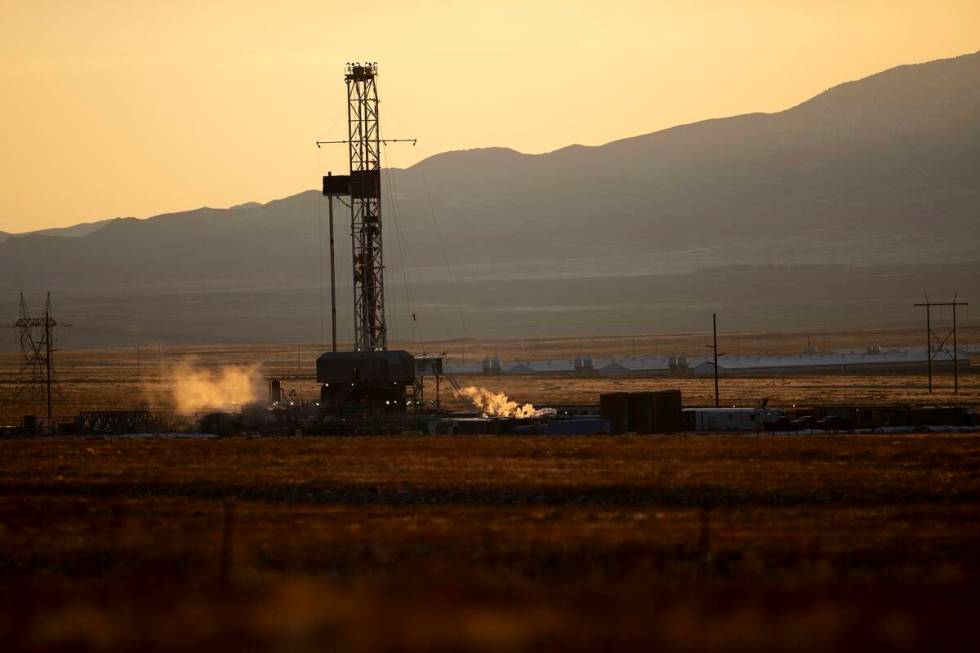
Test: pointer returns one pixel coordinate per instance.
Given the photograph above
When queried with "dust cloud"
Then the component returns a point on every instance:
(193, 389)
(497, 404)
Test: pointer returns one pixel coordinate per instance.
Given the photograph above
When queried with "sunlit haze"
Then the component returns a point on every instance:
(138, 108)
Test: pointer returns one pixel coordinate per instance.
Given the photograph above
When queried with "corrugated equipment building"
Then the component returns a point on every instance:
(643, 413)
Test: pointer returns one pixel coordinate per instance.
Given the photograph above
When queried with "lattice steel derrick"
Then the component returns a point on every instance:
(364, 137)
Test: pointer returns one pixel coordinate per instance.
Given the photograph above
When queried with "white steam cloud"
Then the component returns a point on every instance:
(496, 404)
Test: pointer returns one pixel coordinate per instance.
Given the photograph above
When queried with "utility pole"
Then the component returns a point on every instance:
(956, 360)
(929, 341)
(941, 342)
(714, 348)
(48, 350)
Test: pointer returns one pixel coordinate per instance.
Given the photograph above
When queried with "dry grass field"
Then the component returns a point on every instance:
(491, 543)
(131, 378)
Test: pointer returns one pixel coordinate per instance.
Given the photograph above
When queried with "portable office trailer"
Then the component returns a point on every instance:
(732, 419)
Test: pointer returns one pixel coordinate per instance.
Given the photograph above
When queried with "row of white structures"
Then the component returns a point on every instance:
(704, 365)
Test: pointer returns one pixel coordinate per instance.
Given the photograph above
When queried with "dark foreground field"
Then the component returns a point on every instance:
(679, 543)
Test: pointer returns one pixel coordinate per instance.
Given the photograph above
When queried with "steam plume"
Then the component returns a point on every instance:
(496, 404)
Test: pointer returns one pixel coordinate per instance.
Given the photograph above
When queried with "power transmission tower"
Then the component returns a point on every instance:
(940, 343)
(37, 348)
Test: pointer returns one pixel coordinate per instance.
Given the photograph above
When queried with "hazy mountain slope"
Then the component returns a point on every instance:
(896, 153)
(268, 243)
(74, 231)
(747, 298)
(82, 229)
(881, 170)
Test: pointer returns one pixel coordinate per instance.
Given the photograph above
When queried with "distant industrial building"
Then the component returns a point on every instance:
(636, 367)
(841, 361)
(543, 367)
(870, 360)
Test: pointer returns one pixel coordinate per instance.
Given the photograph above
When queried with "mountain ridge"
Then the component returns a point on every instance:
(874, 169)
(837, 89)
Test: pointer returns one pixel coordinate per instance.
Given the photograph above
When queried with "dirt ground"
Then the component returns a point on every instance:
(491, 543)
(137, 378)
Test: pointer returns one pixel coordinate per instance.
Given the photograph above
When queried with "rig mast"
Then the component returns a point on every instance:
(364, 138)
(371, 378)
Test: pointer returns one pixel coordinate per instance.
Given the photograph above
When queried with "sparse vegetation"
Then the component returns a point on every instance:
(119, 379)
(489, 543)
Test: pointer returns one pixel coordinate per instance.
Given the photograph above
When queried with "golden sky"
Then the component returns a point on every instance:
(116, 108)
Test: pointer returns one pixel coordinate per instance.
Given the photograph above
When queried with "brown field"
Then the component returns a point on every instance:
(491, 543)
(131, 378)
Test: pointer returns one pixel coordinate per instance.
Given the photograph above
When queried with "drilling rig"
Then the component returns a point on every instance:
(370, 378)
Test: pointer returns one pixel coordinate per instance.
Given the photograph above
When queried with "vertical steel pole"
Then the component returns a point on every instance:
(714, 330)
(956, 362)
(47, 354)
(929, 345)
(333, 281)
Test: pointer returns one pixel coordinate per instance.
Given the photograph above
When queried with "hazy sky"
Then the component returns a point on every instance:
(137, 108)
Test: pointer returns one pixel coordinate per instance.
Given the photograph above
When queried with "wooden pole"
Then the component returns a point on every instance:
(714, 330)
